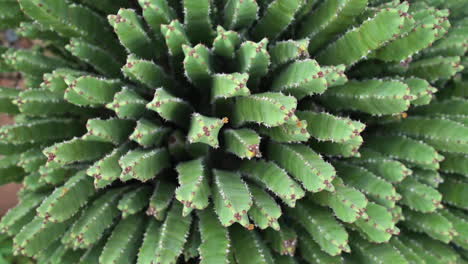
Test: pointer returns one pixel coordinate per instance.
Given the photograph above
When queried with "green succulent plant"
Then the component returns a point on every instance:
(238, 131)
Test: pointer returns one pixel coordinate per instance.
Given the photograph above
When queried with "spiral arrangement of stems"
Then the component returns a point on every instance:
(238, 131)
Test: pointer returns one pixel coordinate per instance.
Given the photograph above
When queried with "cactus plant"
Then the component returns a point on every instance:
(238, 131)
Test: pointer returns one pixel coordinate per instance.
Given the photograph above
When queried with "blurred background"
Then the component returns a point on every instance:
(8, 198)
(8, 38)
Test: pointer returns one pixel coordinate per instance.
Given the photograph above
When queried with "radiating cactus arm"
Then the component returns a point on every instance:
(175, 37)
(341, 50)
(122, 245)
(57, 253)
(190, 250)
(269, 109)
(62, 254)
(32, 183)
(229, 85)
(276, 18)
(173, 235)
(436, 68)
(150, 243)
(197, 20)
(56, 176)
(205, 129)
(72, 20)
(455, 163)
(275, 179)
(41, 102)
(422, 254)
(301, 78)
(55, 81)
(134, 201)
(379, 226)
(420, 90)
(335, 75)
(36, 236)
(193, 191)
(7, 95)
(418, 196)
(453, 108)
(41, 131)
(156, 13)
(128, 104)
(215, 241)
(288, 133)
(146, 72)
(95, 219)
(329, 127)
(451, 45)
(284, 241)
(367, 252)
(226, 43)
(95, 90)
(32, 160)
(422, 35)
(10, 169)
(375, 97)
(75, 150)
(129, 28)
(284, 52)
(107, 169)
(113, 130)
(160, 200)
(197, 64)
(142, 164)
(171, 108)
(391, 170)
(32, 62)
(91, 255)
(248, 247)
(330, 18)
(148, 133)
(303, 164)
(454, 193)
(244, 143)
(102, 60)
(374, 187)
(253, 58)
(312, 253)
(441, 133)
(402, 148)
(267, 211)
(58, 22)
(322, 226)
(347, 203)
(407, 252)
(460, 223)
(348, 148)
(21, 215)
(232, 198)
(429, 177)
(66, 201)
(433, 224)
(442, 251)
(240, 14)
(10, 148)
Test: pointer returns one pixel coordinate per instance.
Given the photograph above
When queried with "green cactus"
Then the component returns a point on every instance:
(237, 131)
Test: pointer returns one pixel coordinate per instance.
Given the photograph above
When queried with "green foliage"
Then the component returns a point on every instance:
(237, 131)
